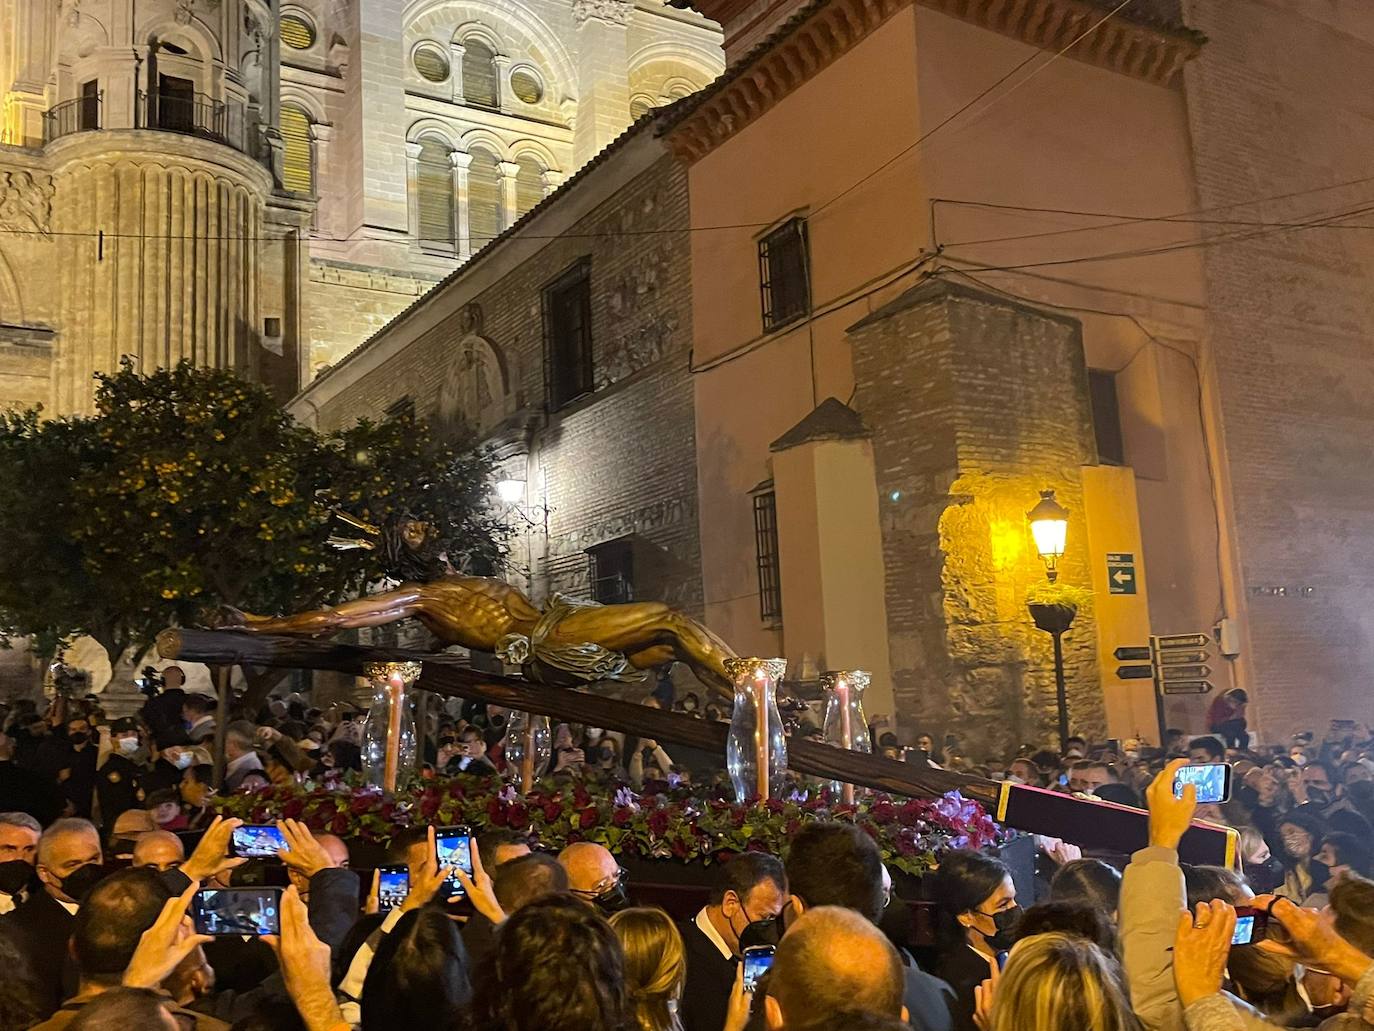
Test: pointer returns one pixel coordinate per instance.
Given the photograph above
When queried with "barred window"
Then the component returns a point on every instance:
(484, 198)
(434, 195)
(611, 571)
(766, 553)
(529, 184)
(431, 63)
(298, 165)
(296, 32)
(481, 84)
(568, 331)
(784, 274)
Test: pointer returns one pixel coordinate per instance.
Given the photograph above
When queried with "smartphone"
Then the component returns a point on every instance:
(1252, 925)
(236, 911)
(393, 885)
(453, 847)
(257, 841)
(1212, 781)
(757, 959)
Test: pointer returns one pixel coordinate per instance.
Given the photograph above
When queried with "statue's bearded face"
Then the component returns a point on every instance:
(416, 534)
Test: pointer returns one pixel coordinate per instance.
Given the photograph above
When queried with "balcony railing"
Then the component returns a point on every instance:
(79, 115)
(196, 115)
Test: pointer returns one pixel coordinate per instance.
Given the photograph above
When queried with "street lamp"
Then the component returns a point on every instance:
(510, 491)
(1049, 523)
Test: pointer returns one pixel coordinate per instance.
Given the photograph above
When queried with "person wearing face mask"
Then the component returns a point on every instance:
(1299, 832)
(19, 834)
(742, 910)
(69, 758)
(594, 876)
(69, 862)
(976, 915)
(119, 787)
(1263, 869)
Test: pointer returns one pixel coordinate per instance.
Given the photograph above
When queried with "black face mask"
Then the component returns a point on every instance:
(1265, 877)
(1005, 936)
(1318, 796)
(15, 876)
(613, 899)
(761, 932)
(78, 738)
(78, 884)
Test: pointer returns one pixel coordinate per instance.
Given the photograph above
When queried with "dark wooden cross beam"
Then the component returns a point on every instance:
(1089, 824)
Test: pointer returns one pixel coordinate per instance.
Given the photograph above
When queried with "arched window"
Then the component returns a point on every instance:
(298, 160)
(481, 85)
(484, 198)
(529, 184)
(639, 107)
(434, 195)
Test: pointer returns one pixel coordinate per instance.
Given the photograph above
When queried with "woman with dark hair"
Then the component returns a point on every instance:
(1300, 831)
(1088, 880)
(557, 965)
(419, 976)
(975, 923)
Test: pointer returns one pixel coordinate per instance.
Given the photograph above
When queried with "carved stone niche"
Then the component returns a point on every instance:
(475, 393)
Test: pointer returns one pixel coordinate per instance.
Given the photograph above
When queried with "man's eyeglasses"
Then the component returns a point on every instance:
(604, 885)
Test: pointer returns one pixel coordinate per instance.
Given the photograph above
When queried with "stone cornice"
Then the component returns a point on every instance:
(823, 31)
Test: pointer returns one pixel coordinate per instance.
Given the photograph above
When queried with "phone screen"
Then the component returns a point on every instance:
(393, 885)
(1245, 930)
(453, 847)
(257, 841)
(756, 960)
(1251, 926)
(237, 911)
(1212, 781)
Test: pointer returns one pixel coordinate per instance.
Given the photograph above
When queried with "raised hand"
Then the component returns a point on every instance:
(1202, 946)
(164, 945)
(211, 857)
(1170, 817)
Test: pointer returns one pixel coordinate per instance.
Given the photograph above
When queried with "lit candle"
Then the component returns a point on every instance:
(527, 762)
(761, 729)
(846, 732)
(396, 687)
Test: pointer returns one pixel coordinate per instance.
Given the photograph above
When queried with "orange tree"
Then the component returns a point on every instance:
(190, 490)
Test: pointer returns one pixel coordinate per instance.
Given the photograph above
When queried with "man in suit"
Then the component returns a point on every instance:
(41, 926)
(837, 864)
(749, 895)
(119, 785)
(69, 759)
(198, 713)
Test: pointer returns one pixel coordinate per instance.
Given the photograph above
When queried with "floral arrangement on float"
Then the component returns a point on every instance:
(661, 822)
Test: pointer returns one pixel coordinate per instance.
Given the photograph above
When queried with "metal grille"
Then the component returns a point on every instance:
(434, 195)
(529, 185)
(432, 65)
(526, 86)
(766, 549)
(568, 329)
(484, 198)
(296, 32)
(297, 164)
(784, 275)
(611, 572)
(480, 84)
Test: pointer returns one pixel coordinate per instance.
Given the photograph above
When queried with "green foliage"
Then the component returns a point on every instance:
(1060, 594)
(190, 489)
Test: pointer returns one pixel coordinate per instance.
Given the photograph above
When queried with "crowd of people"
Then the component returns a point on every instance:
(107, 834)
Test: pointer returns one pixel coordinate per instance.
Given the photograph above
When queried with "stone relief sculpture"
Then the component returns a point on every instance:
(25, 201)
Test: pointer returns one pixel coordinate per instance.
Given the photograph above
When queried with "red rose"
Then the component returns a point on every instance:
(361, 804)
(517, 816)
(429, 805)
(883, 812)
(455, 789)
(293, 809)
(737, 818)
(680, 849)
(496, 815)
(774, 805)
(587, 819)
(339, 824)
(581, 796)
(621, 817)
(266, 793)
(552, 811)
(658, 822)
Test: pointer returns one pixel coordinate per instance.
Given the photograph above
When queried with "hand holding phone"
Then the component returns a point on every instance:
(1252, 926)
(228, 912)
(453, 847)
(393, 885)
(1212, 781)
(257, 841)
(757, 959)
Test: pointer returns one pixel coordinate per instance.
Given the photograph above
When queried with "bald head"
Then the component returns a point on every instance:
(588, 866)
(832, 960)
(162, 850)
(334, 848)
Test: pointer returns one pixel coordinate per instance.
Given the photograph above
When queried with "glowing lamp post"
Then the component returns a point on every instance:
(1049, 524)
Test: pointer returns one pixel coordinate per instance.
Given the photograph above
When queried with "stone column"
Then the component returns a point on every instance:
(413, 191)
(552, 181)
(977, 403)
(456, 51)
(503, 93)
(461, 162)
(509, 170)
(603, 83)
(323, 135)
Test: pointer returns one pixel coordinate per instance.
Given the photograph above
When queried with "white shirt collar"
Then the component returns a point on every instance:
(70, 907)
(709, 929)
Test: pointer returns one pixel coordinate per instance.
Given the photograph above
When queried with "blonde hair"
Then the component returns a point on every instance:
(1057, 982)
(655, 966)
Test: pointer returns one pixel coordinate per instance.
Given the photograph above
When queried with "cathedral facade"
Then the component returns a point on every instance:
(264, 186)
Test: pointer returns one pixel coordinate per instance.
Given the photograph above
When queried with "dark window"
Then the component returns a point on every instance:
(784, 274)
(481, 81)
(766, 550)
(404, 408)
(90, 106)
(1111, 448)
(568, 328)
(176, 104)
(611, 571)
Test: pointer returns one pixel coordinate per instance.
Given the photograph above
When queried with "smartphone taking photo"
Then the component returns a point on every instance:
(453, 847)
(1252, 925)
(226, 912)
(757, 959)
(1211, 780)
(393, 885)
(257, 841)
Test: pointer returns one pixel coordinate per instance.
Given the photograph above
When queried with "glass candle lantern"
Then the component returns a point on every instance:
(756, 750)
(528, 746)
(846, 726)
(390, 744)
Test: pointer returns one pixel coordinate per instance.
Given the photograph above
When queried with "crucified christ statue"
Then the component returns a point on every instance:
(569, 642)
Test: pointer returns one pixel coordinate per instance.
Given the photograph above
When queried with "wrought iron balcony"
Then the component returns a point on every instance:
(83, 114)
(191, 114)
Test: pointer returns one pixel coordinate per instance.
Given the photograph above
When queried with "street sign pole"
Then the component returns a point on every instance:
(1159, 692)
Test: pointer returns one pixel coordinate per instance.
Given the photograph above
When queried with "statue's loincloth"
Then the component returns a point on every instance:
(559, 663)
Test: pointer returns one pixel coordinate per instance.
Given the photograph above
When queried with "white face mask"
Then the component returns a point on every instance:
(128, 745)
(184, 760)
(593, 733)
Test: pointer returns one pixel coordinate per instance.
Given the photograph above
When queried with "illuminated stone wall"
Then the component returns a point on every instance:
(976, 404)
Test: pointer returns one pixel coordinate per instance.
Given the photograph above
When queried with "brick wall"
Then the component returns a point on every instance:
(1273, 110)
(976, 404)
(623, 460)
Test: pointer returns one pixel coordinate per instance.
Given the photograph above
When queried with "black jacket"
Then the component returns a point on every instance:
(119, 787)
(73, 771)
(40, 929)
(26, 791)
(929, 1001)
(963, 970)
(710, 978)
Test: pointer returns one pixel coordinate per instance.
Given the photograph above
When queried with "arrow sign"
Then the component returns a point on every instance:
(1132, 654)
(1173, 658)
(1121, 577)
(1194, 672)
(1184, 641)
(1135, 672)
(1187, 687)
